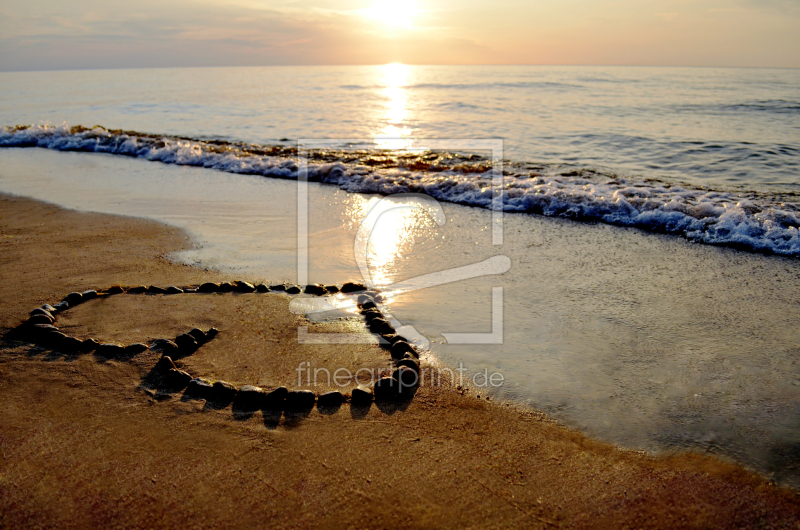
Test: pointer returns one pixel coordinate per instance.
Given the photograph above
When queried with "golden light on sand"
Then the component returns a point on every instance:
(393, 14)
(395, 134)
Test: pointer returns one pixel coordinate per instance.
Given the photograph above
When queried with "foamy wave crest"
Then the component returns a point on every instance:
(748, 220)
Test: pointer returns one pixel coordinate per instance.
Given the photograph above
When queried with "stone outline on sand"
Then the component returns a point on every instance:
(165, 379)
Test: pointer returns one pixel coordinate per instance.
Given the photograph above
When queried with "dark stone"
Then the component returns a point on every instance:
(332, 289)
(387, 329)
(190, 290)
(50, 309)
(226, 287)
(70, 344)
(89, 295)
(174, 290)
(167, 347)
(110, 350)
(42, 329)
(407, 377)
(116, 289)
(176, 379)
(186, 343)
(297, 400)
(330, 400)
(361, 396)
(293, 289)
(137, 290)
(365, 299)
(249, 398)
(40, 319)
(211, 333)
(315, 289)
(73, 299)
(371, 314)
(199, 388)
(376, 324)
(261, 288)
(165, 364)
(41, 311)
(89, 345)
(366, 306)
(223, 392)
(409, 362)
(278, 288)
(209, 287)
(62, 306)
(401, 348)
(156, 290)
(276, 400)
(135, 349)
(198, 335)
(54, 339)
(396, 338)
(245, 287)
(386, 389)
(351, 287)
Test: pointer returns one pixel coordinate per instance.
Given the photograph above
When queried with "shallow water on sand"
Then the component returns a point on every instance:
(644, 340)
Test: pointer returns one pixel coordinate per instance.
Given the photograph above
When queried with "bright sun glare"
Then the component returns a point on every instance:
(393, 13)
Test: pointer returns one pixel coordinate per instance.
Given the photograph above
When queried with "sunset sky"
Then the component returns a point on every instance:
(54, 34)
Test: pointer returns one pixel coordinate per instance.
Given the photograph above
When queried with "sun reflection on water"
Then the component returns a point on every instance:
(392, 236)
(395, 134)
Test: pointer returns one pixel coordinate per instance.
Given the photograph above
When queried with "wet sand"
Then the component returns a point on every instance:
(82, 445)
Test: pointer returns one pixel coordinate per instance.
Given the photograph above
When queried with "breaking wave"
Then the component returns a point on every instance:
(749, 220)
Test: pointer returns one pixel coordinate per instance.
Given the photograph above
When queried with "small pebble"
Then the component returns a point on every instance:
(136, 349)
(62, 306)
(199, 388)
(223, 392)
(386, 389)
(331, 400)
(115, 289)
(362, 395)
(249, 398)
(261, 288)
(276, 399)
(73, 299)
(315, 289)
(89, 345)
(245, 287)
(156, 290)
(40, 319)
(89, 295)
(332, 289)
(300, 400)
(186, 343)
(110, 350)
(209, 288)
(293, 289)
(50, 309)
(165, 364)
(351, 287)
(174, 290)
(137, 290)
(198, 335)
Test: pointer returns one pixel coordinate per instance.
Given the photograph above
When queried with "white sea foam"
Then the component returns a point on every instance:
(747, 220)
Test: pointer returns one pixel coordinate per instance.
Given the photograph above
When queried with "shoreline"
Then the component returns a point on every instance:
(109, 455)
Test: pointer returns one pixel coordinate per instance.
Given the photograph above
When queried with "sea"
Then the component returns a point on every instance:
(615, 246)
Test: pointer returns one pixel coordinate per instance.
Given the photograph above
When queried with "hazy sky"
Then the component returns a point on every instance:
(64, 34)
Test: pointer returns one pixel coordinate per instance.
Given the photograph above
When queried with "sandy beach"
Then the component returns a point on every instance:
(84, 444)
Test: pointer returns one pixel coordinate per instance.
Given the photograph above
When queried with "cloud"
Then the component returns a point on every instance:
(51, 34)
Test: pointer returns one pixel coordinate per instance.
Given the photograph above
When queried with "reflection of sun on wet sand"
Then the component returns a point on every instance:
(81, 444)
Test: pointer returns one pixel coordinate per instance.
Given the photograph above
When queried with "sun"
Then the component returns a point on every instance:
(395, 14)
